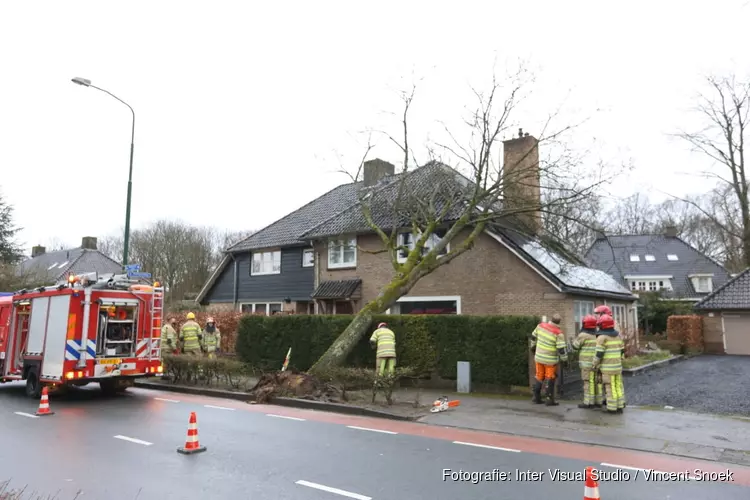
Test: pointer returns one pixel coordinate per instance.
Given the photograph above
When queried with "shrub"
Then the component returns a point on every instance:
(220, 371)
(673, 346)
(687, 331)
(496, 346)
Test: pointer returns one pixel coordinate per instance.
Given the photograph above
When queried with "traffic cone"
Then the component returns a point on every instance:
(191, 443)
(44, 404)
(591, 490)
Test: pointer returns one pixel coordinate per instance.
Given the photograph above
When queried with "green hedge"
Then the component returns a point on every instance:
(496, 346)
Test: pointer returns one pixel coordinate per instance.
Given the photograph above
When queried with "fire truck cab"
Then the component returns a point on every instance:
(89, 328)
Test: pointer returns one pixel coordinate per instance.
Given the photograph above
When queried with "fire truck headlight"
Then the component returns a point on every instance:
(160, 369)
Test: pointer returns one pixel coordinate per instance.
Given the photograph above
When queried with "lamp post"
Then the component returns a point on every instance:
(126, 243)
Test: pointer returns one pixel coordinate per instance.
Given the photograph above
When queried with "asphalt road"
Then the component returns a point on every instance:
(125, 448)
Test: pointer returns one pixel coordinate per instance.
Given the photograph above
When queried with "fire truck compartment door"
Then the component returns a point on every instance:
(110, 301)
(57, 329)
(37, 326)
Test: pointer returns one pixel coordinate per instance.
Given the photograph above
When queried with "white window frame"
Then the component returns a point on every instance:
(672, 257)
(645, 283)
(267, 304)
(635, 258)
(308, 251)
(696, 279)
(650, 258)
(338, 245)
(433, 240)
(273, 259)
(588, 308)
(433, 298)
(620, 315)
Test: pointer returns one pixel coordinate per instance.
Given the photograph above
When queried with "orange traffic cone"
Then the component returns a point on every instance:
(591, 490)
(44, 404)
(191, 443)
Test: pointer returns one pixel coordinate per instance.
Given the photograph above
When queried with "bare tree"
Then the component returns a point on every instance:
(633, 215)
(460, 202)
(112, 246)
(56, 244)
(572, 222)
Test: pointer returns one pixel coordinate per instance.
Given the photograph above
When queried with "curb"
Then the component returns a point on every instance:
(305, 404)
(630, 372)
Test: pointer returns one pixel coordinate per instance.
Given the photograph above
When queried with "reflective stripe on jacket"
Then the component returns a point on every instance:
(386, 341)
(189, 334)
(168, 336)
(586, 344)
(550, 344)
(609, 351)
(211, 341)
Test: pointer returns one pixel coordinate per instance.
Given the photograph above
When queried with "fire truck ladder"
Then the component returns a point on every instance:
(157, 308)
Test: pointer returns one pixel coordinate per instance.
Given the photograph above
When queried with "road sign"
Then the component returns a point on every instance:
(139, 275)
(133, 267)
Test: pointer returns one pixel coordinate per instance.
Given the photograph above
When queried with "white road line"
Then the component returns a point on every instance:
(26, 414)
(335, 491)
(284, 416)
(167, 400)
(371, 430)
(486, 446)
(133, 440)
(218, 407)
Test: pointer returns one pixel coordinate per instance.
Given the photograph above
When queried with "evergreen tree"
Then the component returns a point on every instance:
(10, 252)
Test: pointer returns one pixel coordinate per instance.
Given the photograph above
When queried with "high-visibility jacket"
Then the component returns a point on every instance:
(211, 341)
(549, 343)
(386, 341)
(190, 334)
(585, 343)
(610, 350)
(168, 337)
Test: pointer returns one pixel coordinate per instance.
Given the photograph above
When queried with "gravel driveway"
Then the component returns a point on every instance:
(712, 384)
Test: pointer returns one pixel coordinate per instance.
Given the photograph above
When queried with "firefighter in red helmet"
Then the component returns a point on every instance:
(585, 344)
(610, 350)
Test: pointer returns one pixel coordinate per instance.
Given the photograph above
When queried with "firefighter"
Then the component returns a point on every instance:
(190, 336)
(169, 336)
(385, 341)
(603, 309)
(609, 352)
(585, 343)
(211, 342)
(548, 344)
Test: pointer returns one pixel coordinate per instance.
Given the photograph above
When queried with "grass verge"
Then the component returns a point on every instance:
(643, 359)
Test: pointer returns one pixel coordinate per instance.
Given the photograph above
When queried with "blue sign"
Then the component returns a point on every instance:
(139, 275)
(133, 267)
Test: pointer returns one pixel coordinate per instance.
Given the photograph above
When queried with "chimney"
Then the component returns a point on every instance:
(88, 242)
(375, 170)
(37, 251)
(521, 179)
(670, 231)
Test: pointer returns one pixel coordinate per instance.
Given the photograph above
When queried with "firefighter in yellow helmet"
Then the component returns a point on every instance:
(385, 341)
(211, 341)
(190, 335)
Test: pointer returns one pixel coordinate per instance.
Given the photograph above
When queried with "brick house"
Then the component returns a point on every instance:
(726, 317)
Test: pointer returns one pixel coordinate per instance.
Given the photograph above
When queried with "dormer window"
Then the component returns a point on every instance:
(649, 283)
(635, 258)
(650, 258)
(702, 283)
(672, 257)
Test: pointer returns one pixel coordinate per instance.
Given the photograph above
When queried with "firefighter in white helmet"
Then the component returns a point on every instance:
(169, 337)
(385, 341)
(211, 341)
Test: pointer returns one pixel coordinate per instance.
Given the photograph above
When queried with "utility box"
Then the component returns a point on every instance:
(463, 377)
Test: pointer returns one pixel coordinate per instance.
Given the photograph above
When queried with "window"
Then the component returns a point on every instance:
(427, 305)
(650, 258)
(635, 258)
(581, 308)
(266, 309)
(409, 240)
(702, 284)
(266, 263)
(308, 257)
(342, 253)
(652, 286)
(649, 285)
(619, 312)
(672, 257)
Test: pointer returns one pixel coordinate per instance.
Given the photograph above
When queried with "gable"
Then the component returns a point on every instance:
(734, 294)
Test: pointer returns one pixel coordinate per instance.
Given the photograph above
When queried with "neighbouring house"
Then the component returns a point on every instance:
(657, 263)
(50, 267)
(323, 258)
(726, 317)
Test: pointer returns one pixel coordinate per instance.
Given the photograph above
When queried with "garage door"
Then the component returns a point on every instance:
(737, 334)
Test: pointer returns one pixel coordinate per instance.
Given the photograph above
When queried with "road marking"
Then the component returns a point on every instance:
(336, 491)
(615, 466)
(371, 430)
(26, 414)
(133, 440)
(218, 407)
(486, 446)
(284, 416)
(167, 400)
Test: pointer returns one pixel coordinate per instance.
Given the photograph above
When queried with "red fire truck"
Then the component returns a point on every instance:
(89, 328)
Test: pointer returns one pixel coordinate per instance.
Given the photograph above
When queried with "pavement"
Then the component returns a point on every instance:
(124, 447)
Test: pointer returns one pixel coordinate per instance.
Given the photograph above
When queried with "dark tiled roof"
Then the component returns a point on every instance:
(53, 266)
(342, 289)
(612, 255)
(734, 294)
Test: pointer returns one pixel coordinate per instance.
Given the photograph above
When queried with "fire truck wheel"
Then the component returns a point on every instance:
(33, 387)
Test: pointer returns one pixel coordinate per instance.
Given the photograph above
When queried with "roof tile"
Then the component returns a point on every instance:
(734, 294)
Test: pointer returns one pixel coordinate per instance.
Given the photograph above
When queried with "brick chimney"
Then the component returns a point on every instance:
(37, 251)
(521, 179)
(88, 242)
(375, 170)
(670, 231)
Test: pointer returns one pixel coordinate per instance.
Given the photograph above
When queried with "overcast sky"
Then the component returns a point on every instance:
(244, 112)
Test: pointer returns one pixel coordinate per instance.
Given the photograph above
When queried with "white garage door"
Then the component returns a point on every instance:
(737, 334)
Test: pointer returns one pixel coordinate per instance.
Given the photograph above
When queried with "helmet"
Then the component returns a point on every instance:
(603, 310)
(173, 320)
(382, 325)
(605, 322)
(589, 321)
(190, 316)
(209, 320)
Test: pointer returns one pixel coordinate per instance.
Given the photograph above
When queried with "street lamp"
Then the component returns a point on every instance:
(87, 83)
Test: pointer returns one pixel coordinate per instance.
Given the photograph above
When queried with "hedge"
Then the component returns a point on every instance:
(496, 346)
(226, 321)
